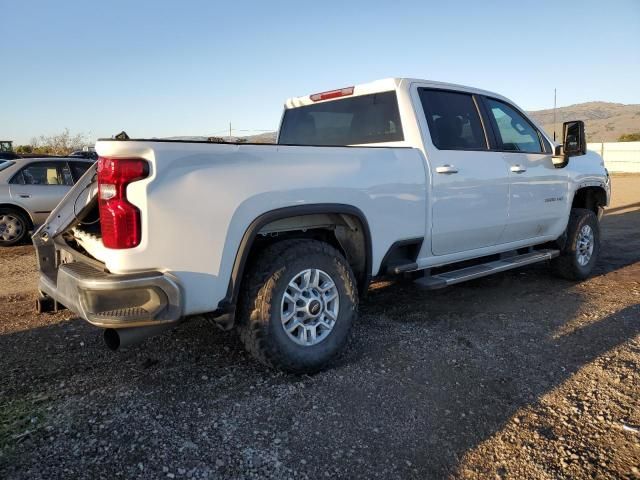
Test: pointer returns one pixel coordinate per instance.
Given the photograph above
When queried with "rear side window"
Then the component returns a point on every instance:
(453, 119)
(515, 133)
(78, 169)
(44, 173)
(351, 121)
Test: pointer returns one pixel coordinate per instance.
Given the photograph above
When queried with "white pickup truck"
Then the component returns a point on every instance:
(438, 182)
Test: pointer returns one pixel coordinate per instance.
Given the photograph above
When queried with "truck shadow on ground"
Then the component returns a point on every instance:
(620, 239)
(471, 363)
(428, 377)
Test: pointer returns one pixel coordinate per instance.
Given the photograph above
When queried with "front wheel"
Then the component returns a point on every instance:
(298, 304)
(581, 248)
(13, 227)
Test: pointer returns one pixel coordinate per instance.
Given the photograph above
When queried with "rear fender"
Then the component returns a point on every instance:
(227, 305)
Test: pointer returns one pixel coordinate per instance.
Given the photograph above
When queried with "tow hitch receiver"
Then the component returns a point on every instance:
(46, 304)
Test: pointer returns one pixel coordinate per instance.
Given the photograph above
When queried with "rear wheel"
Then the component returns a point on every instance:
(299, 302)
(581, 248)
(13, 227)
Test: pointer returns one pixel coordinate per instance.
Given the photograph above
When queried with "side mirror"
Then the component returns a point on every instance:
(574, 143)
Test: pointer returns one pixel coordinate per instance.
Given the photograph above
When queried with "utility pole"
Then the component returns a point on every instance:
(554, 114)
(230, 130)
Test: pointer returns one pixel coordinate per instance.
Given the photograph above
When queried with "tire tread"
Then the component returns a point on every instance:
(565, 265)
(256, 299)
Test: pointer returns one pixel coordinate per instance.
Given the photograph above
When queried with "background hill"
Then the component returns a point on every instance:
(604, 121)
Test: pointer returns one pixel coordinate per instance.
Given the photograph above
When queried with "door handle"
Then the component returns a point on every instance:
(24, 195)
(447, 169)
(518, 169)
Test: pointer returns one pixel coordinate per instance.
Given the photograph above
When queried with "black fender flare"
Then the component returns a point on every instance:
(227, 304)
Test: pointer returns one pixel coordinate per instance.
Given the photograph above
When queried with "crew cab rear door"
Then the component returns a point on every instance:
(469, 182)
(538, 201)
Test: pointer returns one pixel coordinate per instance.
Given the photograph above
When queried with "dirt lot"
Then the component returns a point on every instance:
(519, 375)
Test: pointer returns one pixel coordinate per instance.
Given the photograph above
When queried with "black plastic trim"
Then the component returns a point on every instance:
(384, 266)
(227, 305)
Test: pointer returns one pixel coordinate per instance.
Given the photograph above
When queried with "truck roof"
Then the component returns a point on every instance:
(387, 84)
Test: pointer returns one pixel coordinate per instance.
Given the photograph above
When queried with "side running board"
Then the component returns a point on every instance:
(442, 280)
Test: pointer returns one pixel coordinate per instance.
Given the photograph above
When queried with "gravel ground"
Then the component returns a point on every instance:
(519, 375)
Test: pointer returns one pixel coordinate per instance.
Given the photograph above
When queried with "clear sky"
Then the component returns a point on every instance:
(160, 68)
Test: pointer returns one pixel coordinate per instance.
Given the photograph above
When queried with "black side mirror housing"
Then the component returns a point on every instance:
(574, 143)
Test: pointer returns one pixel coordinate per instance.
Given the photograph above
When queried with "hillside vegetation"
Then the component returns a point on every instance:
(604, 121)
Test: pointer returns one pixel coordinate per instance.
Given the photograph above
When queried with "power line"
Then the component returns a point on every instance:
(554, 114)
(230, 130)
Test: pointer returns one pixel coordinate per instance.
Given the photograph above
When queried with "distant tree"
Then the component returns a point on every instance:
(629, 137)
(60, 144)
(24, 149)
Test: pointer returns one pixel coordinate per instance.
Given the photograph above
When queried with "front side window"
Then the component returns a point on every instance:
(515, 133)
(44, 173)
(453, 119)
(373, 118)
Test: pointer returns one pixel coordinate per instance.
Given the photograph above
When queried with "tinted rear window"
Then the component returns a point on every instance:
(454, 122)
(351, 121)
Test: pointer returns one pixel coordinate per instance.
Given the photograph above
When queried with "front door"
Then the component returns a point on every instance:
(470, 183)
(538, 190)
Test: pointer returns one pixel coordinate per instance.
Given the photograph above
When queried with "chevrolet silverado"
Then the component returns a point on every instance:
(436, 182)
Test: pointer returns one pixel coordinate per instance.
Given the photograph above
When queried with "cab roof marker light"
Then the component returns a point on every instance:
(341, 92)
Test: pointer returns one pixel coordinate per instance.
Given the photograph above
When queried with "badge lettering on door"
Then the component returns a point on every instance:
(553, 199)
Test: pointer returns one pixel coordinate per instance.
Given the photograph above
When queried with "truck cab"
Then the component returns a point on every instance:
(492, 183)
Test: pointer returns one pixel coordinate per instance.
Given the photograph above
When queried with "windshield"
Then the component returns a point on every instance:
(5, 164)
(358, 120)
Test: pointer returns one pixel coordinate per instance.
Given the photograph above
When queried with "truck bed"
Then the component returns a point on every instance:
(201, 197)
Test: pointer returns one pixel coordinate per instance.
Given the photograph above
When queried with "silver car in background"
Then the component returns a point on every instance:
(30, 188)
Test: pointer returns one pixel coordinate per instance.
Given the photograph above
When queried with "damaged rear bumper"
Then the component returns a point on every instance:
(112, 300)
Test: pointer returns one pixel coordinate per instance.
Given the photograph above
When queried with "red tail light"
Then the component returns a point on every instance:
(119, 219)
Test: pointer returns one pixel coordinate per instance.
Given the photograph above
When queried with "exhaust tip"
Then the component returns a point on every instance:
(117, 338)
(112, 339)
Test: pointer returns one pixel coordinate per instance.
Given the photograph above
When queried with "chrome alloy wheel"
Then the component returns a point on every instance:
(585, 244)
(309, 307)
(11, 227)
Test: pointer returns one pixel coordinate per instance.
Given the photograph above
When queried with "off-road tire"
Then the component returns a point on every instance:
(259, 324)
(24, 226)
(567, 265)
